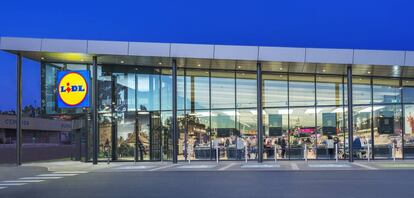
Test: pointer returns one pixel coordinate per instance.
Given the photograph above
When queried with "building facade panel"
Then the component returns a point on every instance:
(108, 47)
(149, 49)
(338, 56)
(61, 45)
(283, 54)
(379, 57)
(409, 58)
(24, 44)
(192, 51)
(236, 52)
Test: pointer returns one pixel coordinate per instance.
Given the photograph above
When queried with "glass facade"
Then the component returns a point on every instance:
(304, 114)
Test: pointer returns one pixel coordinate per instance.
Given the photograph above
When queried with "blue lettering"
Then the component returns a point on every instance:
(74, 88)
(81, 88)
(62, 88)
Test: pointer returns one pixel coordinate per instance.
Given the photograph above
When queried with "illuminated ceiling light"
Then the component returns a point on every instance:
(280, 75)
(159, 63)
(285, 111)
(239, 66)
(369, 72)
(199, 65)
(143, 112)
(122, 61)
(281, 68)
(136, 68)
(82, 60)
(43, 58)
(406, 81)
(324, 70)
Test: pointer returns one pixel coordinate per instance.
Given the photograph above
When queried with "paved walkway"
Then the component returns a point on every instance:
(224, 166)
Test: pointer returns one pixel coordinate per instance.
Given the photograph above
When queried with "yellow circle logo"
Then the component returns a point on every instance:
(73, 89)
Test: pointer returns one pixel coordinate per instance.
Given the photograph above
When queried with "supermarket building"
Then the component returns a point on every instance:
(174, 101)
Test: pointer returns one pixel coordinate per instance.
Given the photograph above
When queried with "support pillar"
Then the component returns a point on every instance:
(174, 112)
(259, 113)
(19, 111)
(94, 107)
(350, 114)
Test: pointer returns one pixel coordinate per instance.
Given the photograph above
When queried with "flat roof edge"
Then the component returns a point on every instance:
(210, 51)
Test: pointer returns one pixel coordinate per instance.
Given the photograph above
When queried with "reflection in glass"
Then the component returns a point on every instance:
(247, 126)
(301, 90)
(386, 90)
(222, 90)
(361, 90)
(275, 90)
(246, 90)
(329, 90)
(197, 89)
(224, 132)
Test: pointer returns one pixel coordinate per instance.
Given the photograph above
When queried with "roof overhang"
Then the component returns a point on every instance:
(133, 53)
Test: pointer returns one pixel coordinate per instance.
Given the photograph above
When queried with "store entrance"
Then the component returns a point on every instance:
(147, 136)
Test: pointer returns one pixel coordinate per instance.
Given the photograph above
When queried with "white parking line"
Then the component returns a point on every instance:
(163, 167)
(70, 172)
(13, 184)
(56, 175)
(41, 178)
(294, 166)
(365, 166)
(25, 181)
(226, 167)
(2, 188)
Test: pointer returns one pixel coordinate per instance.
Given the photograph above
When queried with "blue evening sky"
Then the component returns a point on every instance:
(366, 24)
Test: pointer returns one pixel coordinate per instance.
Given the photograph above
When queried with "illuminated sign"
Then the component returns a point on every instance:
(73, 89)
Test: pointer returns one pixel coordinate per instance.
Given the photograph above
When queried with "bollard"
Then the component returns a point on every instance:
(336, 152)
(217, 155)
(393, 151)
(135, 154)
(275, 154)
(161, 154)
(305, 153)
(245, 153)
(368, 152)
(189, 155)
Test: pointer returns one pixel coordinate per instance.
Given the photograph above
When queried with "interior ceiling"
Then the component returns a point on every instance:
(340, 69)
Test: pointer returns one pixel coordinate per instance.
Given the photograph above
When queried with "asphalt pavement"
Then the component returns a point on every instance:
(207, 179)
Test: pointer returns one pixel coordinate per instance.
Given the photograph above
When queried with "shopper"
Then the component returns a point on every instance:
(330, 145)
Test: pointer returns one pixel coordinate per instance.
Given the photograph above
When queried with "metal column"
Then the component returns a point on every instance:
(174, 111)
(19, 111)
(259, 113)
(94, 107)
(350, 114)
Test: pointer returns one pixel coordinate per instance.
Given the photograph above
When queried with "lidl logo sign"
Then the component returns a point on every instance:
(73, 89)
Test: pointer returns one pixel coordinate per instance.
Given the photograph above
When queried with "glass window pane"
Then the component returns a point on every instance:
(222, 90)
(148, 91)
(180, 89)
(196, 143)
(409, 131)
(387, 131)
(329, 90)
(166, 89)
(246, 89)
(275, 90)
(362, 131)
(275, 128)
(301, 90)
(330, 125)
(224, 133)
(247, 125)
(361, 90)
(386, 90)
(197, 89)
(302, 132)
(408, 91)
